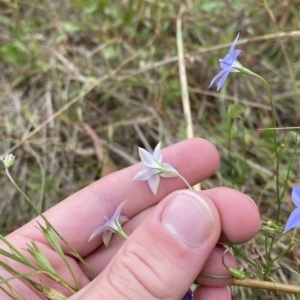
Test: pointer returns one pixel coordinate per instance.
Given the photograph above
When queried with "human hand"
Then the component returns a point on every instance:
(173, 236)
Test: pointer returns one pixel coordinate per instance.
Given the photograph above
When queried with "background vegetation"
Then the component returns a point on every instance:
(84, 82)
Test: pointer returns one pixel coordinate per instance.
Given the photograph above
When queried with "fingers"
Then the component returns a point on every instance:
(236, 211)
(214, 267)
(212, 293)
(239, 214)
(179, 234)
(80, 214)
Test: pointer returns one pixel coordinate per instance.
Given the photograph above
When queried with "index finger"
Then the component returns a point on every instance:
(80, 214)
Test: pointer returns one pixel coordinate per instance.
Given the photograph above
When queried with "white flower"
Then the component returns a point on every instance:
(154, 168)
(112, 225)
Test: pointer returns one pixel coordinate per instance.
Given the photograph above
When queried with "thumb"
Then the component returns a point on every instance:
(164, 255)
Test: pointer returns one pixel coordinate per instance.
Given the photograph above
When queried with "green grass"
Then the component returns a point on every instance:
(113, 64)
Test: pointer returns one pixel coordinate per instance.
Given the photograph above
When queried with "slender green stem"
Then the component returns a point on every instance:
(185, 181)
(244, 163)
(123, 235)
(278, 194)
(229, 149)
(175, 173)
(267, 285)
(289, 166)
(46, 221)
(236, 250)
(215, 276)
(246, 71)
(23, 194)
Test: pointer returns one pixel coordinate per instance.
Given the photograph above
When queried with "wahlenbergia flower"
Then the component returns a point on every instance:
(189, 295)
(154, 168)
(112, 225)
(294, 219)
(228, 64)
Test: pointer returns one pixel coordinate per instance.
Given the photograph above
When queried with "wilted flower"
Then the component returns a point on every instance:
(294, 219)
(154, 168)
(112, 225)
(228, 64)
(8, 160)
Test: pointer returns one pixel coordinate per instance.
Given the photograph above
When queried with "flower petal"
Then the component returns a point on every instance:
(236, 54)
(145, 173)
(296, 196)
(146, 158)
(154, 183)
(123, 219)
(222, 80)
(169, 167)
(188, 296)
(167, 174)
(226, 62)
(106, 236)
(112, 225)
(98, 231)
(216, 77)
(231, 51)
(118, 212)
(293, 220)
(157, 153)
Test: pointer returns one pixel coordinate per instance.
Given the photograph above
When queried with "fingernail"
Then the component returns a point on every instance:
(188, 217)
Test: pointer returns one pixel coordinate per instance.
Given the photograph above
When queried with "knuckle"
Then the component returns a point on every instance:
(138, 266)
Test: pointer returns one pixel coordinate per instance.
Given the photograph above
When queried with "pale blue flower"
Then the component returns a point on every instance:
(154, 168)
(294, 219)
(228, 64)
(189, 295)
(112, 225)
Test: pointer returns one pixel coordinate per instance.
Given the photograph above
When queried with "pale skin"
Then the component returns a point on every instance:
(151, 264)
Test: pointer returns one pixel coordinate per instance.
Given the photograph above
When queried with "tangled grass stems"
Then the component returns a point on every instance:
(51, 235)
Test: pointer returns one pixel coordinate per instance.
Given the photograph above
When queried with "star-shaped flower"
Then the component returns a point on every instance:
(154, 168)
(294, 219)
(112, 225)
(228, 64)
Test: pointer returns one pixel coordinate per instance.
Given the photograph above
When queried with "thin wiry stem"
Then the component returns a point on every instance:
(46, 221)
(185, 181)
(267, 285)
(278, 195)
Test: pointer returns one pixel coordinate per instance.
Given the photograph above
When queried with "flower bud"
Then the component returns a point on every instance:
(40, 258)
(8, 160)
(237, 274)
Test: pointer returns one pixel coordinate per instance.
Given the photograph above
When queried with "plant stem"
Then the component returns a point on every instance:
(46, 221)
(185, 181)
(122, 234)
(267, 285)
(278, 194)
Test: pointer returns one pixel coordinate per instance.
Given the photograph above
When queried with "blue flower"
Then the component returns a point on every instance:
(228, 64)
(154, 168)
(112, 225)
(189, 295)
(294, 219)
